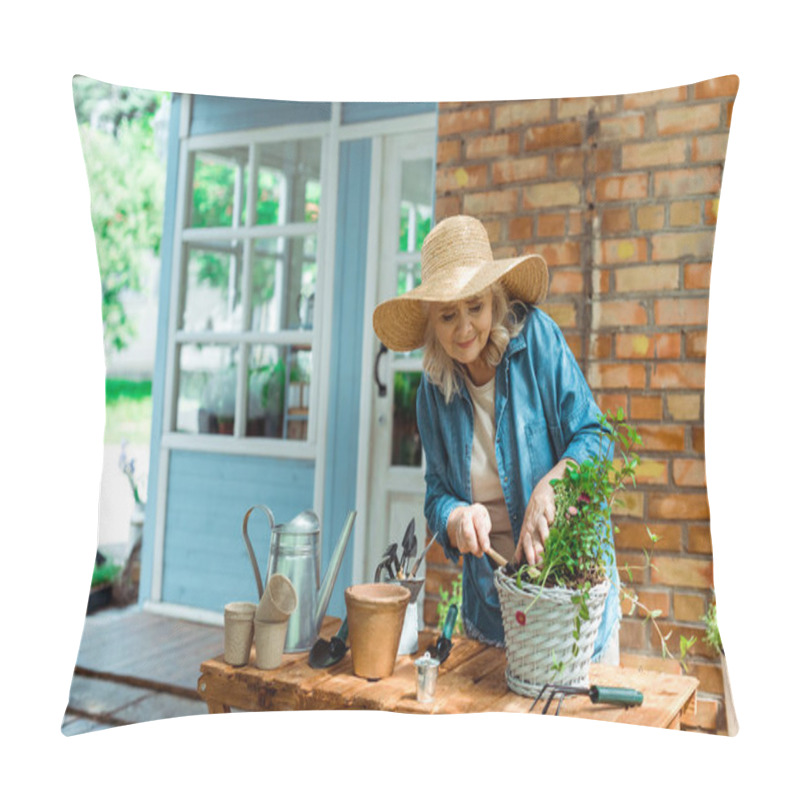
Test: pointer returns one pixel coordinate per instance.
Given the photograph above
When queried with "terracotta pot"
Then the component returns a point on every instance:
(375, 614)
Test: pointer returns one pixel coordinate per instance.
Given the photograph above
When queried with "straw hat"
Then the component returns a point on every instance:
(456, 263)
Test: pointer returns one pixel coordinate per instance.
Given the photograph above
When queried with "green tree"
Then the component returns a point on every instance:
(126, 183)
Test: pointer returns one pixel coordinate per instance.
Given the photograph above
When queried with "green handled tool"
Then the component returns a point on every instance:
(613, 695)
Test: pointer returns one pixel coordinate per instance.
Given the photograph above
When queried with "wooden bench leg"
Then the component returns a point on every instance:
(215, 707)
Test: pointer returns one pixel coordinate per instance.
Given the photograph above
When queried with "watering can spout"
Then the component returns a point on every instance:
(333, 570)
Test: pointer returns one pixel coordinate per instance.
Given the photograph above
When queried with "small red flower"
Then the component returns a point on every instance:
(521, 617)
(584, 498)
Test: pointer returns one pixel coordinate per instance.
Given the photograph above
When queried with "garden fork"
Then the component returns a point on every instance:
(614, 695)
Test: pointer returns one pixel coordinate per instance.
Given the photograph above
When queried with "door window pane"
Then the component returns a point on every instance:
(406, 444)
(213, 300)
(284, 283)
(288, 187)
(279, 378)
(206, 389)
(416, 204)
(219, 187)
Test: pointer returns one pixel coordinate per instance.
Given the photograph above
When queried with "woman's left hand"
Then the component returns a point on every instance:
(539, 516)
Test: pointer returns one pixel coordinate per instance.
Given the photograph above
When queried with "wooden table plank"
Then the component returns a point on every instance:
(471, 680)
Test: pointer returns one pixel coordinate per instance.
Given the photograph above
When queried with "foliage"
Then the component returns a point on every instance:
(105, 572)
(580, 545)
(129, 411)
(712, 637)
(126, 183)
(447, 599)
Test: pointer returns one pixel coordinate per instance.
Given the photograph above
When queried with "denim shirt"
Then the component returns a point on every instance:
(544, 412)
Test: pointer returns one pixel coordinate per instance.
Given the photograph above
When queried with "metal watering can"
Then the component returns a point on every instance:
(294, 551)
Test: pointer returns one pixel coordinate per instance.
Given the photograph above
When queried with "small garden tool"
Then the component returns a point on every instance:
(443, 645)
(614, 695)
(509, 567)
(421, 557)
(388, 562)
(409, 545)
(327, 653)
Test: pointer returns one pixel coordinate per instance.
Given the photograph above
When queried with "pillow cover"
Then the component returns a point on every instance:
(620, 195)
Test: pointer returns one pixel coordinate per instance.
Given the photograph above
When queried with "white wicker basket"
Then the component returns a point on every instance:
(547, 635)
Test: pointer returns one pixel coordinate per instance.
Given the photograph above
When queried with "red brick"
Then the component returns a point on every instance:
(650, 278)
(563, 314)
(601, 281)
(623, 187)
(581, 106)
(503, 144)
(566, 281)
(560, 193)
(610, 402)
(683, 406)
(680, 311)
(650, 663)
(448, 206)
(728, 114)
(615, 313)
(651, 600)
(695, 573)
(448, 150)
(616, 220)
(704, 716)
(526, 112)
(569, 163)
(600, 346)
(451, 122)
(689, 607)
(709, 675)
(481, 204)
(679, 506)
(575, 343)
(575, 220)
(710, 148)
(699, 539)
(698, 439)
(602, 160)
(662, 437)
(710, 211)
(696, 344)
(640, 345)
(449, 179)
(633, 535)
(651, 154)
(685, 375)
(495, 229)
(672, 246)
(685, 213)
(676, 94)
(717, 87)
(651, 471)
(617, 376)
(551, 225)
(647, 407)
(632, 634)
(519, 169)
(620, 251)
(650, 218)
(628, 127)
(560, 134)
(684, 119)
(697, 276)
(678, 182)
(520, 228)
(689, 472)
(561, 254)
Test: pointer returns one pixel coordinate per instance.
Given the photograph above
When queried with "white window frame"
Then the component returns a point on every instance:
(185, 235)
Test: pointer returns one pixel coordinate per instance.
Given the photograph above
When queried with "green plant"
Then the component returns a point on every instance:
(580, 545)
(104, 573)
(712, 631)
(447, 599)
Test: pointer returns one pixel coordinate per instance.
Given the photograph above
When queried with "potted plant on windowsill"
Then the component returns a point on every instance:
(552, 611)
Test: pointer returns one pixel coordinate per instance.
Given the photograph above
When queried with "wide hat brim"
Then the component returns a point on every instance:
(400, 322)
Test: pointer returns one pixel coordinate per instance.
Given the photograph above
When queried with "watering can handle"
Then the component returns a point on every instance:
(250, 546)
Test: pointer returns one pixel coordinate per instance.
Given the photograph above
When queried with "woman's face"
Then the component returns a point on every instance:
(463, 327)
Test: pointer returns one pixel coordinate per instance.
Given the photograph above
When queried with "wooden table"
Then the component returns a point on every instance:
(472, 679)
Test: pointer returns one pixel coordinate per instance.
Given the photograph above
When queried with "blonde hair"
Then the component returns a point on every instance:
(507, 322)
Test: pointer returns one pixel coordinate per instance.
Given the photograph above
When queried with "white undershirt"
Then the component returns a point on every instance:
(484, 475)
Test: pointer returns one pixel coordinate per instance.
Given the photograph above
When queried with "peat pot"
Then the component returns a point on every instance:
(375, 615)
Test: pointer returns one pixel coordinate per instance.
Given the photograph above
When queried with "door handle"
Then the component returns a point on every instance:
(381, 386)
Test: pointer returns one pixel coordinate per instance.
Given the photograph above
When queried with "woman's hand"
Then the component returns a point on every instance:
(539, 516)
(468, 529)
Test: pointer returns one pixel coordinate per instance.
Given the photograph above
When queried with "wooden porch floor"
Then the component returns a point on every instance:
(135, 666)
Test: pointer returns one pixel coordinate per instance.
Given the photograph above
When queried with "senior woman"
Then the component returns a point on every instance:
(502, 408)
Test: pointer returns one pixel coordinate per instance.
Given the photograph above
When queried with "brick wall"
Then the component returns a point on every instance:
(620, 195)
